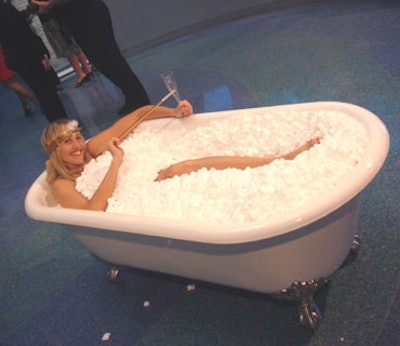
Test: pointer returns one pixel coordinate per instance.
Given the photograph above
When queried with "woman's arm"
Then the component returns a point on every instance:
(67, 196)
(97, 144)
(224, 162)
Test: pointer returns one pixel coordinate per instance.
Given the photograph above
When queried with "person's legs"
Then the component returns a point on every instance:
(80, 74)
(41, 83)
(23, 101)
(92, 29)
(22, 92)
(25, 105)
(84, 62)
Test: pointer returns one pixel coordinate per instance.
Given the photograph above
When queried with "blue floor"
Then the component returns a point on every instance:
(53, 292)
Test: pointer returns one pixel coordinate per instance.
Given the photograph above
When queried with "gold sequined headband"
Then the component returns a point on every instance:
(62, 137)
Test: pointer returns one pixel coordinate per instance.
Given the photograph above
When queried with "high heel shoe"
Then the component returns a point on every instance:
(82, 81)
(27, 110)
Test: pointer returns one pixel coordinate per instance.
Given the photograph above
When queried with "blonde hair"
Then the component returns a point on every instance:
(55, 168)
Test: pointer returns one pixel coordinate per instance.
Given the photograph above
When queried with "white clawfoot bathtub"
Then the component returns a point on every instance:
(304, 247)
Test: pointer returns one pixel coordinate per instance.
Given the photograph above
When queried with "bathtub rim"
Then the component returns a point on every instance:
(348, 188)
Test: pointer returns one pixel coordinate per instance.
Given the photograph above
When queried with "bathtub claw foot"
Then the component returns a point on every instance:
(303, 292)
(356, 244)
(310, 315)
(112, 274)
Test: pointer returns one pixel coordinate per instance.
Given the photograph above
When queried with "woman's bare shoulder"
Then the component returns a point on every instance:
(66, 195)
(61, 182)
(62, 188)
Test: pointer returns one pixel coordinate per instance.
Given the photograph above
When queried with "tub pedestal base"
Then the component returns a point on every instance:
(303, 292)
(356, 244)
(300, 291)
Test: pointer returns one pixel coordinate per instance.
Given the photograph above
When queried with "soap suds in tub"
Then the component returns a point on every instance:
(232, 195)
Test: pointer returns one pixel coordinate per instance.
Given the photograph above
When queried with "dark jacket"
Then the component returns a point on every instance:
(21, 46)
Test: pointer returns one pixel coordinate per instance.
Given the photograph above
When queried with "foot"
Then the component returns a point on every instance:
(309, 144)
(27, 110)
(82, 81)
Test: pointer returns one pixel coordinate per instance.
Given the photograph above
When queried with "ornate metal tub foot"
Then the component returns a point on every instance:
(355, 248)
(112, 274)
(356, 244)
(303, 292)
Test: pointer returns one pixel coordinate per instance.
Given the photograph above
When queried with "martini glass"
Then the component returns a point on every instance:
(170, 82)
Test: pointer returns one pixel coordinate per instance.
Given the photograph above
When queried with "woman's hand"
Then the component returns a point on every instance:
(116, 151)
(183, 109)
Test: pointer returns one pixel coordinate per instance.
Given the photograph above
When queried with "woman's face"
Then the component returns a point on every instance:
(71, 150)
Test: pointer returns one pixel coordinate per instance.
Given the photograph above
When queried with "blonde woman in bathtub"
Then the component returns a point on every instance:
(69, 153)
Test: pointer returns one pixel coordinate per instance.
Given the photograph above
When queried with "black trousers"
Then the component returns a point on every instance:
(42, 84)
(89, 21)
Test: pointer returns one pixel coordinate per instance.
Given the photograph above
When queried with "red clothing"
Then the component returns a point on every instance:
(5, 72)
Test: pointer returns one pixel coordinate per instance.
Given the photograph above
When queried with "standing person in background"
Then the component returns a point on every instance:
(26, 54)
(63, 44)
(8, 78)
(89, 22)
